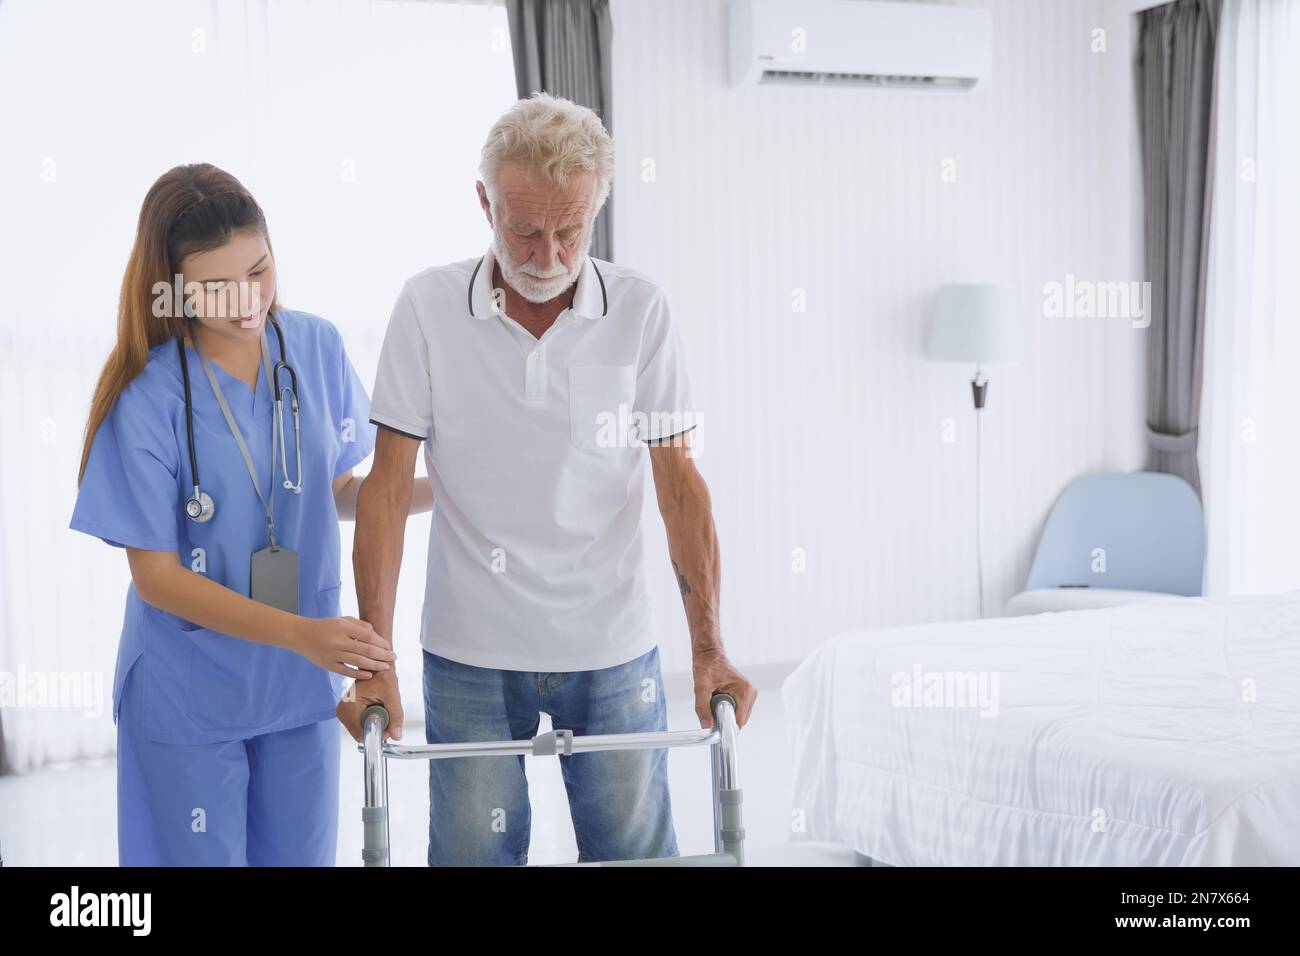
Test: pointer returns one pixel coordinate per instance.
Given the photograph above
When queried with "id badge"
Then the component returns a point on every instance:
(275, 578)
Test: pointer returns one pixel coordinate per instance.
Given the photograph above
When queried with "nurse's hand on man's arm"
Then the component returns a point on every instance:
(333, 643)
(343, 645)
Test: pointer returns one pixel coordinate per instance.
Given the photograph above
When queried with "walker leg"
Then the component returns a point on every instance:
(714, 758)
(374, 808)
(728, 797)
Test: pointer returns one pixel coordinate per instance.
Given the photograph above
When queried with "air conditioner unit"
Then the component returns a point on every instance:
(859, 43)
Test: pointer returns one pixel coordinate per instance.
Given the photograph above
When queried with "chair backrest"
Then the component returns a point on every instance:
(1142, 531)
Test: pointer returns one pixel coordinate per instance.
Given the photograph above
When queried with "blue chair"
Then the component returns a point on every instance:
(1115, 539)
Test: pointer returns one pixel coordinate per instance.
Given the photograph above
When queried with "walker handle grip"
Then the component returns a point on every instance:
(717, 697)
(375, 710)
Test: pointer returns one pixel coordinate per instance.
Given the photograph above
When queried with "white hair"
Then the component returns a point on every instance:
(550, 137)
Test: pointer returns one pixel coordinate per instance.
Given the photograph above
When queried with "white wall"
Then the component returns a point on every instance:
(824, 428)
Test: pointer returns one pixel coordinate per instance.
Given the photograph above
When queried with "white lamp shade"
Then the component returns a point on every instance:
(977, 325)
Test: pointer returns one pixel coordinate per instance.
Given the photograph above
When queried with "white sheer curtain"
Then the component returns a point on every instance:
(356, 123)
(1250, 409)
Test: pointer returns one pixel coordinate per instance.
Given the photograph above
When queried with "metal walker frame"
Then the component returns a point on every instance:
(728, 830)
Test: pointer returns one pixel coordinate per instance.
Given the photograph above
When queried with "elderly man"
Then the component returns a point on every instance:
(541, 382)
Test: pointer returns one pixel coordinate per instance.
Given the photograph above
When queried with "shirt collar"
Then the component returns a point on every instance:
(590, 300)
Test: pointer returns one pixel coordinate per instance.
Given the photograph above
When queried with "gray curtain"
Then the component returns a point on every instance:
(1175, 79)
(563, 47)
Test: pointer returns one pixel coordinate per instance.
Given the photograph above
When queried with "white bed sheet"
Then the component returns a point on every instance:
(1160, 734)
(1073, 599)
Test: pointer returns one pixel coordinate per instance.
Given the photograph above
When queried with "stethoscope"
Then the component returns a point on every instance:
(200, 506)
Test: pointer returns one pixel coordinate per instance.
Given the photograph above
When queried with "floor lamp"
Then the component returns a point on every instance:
(977, 325)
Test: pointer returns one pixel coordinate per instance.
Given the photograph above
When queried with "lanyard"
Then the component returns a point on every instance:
(269, 504)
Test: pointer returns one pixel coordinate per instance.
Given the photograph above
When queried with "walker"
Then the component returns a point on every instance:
(728, 831)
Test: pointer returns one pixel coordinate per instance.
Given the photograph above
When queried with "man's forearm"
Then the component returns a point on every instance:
(382, 507)
(697, 564)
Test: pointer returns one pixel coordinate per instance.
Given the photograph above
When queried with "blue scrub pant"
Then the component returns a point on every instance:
(271, 800)
(478, 806)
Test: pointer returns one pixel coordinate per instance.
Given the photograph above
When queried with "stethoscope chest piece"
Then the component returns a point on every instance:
(200, 507)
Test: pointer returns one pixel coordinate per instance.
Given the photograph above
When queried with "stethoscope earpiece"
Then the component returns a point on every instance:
(280, 392)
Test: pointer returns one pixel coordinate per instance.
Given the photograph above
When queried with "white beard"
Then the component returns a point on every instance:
(533, 286)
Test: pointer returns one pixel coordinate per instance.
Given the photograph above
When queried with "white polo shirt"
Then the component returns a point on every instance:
(535, 450)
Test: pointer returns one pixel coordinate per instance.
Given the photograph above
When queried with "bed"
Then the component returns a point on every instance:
(1159, 734)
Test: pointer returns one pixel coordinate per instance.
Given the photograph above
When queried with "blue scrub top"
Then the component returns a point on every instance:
(200, 686)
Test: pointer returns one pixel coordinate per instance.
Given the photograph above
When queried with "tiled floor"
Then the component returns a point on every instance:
(66, 816)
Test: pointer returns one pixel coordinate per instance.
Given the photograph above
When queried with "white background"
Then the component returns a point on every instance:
(357, 125)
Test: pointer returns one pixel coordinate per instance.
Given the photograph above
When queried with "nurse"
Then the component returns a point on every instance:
(219, 453)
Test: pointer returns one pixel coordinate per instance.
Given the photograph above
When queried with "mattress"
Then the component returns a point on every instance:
(1159, 734)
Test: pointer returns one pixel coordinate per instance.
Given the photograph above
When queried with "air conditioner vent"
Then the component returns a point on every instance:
(805, 78)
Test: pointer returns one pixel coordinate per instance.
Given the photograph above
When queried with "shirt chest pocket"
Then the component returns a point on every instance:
(600, 405)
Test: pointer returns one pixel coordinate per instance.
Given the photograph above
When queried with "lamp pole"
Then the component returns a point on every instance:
(977, 325)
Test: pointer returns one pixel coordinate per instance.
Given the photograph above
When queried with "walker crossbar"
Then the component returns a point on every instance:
(728, 831)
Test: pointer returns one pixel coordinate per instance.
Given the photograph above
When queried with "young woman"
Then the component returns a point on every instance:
(219, 453)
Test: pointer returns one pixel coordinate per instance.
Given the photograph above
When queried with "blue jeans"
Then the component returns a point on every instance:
(478, 806)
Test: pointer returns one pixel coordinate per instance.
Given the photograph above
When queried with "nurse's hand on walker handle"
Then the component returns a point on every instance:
(380, 689)
(343, 645)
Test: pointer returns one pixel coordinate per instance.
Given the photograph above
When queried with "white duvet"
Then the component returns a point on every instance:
(1159, 734)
